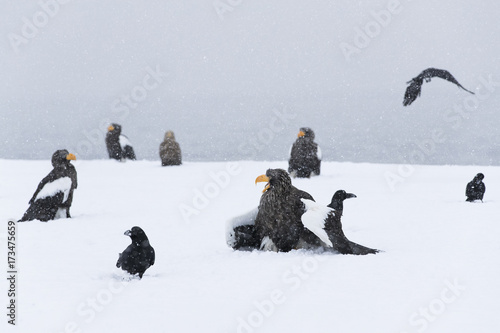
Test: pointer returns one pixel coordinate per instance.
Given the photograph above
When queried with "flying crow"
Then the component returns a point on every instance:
(415, 84)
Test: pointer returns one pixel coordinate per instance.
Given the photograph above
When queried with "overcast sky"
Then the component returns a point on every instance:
(214, 72)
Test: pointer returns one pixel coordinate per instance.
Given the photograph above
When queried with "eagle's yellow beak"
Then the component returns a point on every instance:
(263, 178)
(110, 128)
(301, 133)
(71, 157)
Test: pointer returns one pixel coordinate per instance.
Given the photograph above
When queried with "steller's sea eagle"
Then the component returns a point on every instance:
(288, 218)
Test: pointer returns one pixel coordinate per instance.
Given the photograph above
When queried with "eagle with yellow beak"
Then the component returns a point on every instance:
(305, 155)
(288, 218)
(278, 221)
(118, 145)
(54, 194)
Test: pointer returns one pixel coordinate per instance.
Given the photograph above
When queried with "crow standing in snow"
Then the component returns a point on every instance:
(139, 255)
(118, 145)
(54, 194)
(475, 189)
(326, 224)
(415, 84)
(333, 227)
(305, 155)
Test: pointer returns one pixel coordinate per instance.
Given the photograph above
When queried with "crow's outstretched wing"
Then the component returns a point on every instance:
(443, 74)
(415, 85)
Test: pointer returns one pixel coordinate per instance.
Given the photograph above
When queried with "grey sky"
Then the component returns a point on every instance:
(225, 74)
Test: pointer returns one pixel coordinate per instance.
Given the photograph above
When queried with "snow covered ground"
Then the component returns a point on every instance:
(438, 271)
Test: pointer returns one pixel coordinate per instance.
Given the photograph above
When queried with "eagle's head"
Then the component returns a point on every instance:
(62, 157)
(306, 133)
(277, 180)
(115, 128)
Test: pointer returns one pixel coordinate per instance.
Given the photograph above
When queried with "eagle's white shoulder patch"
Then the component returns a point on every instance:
(124, 141)
(62, 184)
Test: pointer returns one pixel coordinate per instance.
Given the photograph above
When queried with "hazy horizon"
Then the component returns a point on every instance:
(239, 84)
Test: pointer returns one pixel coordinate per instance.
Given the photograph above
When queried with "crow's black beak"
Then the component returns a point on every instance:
(350, 195)
(127, 233)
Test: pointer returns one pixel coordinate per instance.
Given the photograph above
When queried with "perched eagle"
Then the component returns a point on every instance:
(170, 151)
(305, 155)
(415, 84)
(54, 194)
(288, 218)
(118, 145)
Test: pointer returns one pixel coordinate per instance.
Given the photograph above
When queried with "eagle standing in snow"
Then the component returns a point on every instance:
(288, 218)
(118, 145)
(305, 155)
(278, 222)
(54, 194)
(139, 255)
(170, 151)
(415, 84)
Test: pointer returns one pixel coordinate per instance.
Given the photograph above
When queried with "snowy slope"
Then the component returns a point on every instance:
(440, 258)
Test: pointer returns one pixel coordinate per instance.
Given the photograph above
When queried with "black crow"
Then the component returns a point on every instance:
(415, 84)
(475, 189)
(139, 255)
(305, 155)
(170, 151)
(337, 202)
(333, 227)
(54, 194)
(118, 145)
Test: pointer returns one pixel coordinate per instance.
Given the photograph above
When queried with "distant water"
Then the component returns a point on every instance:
(360, 128)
